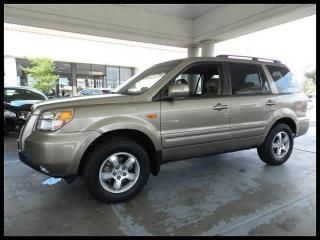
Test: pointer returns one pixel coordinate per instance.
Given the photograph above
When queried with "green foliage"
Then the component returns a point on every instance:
(309, 86)
(311, 75)
(79, 89)
(43, 73)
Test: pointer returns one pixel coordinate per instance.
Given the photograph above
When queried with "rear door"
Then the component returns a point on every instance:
(288, 99)
(199, 123)
(251, 104)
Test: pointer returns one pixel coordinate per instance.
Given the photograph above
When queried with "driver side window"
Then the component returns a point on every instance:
(203, 80)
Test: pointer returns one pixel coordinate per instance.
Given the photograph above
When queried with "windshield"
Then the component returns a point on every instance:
(142, 82)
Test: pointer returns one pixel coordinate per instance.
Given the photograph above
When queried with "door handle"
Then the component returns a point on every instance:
(270, 103)
(220, 107)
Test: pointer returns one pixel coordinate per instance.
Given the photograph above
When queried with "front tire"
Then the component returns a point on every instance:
(278, 145)
(116, 170)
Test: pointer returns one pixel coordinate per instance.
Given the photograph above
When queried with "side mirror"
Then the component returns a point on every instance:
(180, 90)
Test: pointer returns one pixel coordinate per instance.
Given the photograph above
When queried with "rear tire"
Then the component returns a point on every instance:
(116, 170)
(278, 145)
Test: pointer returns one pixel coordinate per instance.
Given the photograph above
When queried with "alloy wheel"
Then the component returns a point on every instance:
(119, 172)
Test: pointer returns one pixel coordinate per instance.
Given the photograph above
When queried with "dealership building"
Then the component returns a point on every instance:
(81, 61)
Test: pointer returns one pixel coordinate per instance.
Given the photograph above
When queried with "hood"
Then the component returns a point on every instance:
(78, 101)
(20, 105)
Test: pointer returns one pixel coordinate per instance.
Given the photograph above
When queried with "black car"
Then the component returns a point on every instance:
(17, 105)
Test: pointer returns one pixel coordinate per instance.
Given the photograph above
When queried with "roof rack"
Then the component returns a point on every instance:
(248, 57)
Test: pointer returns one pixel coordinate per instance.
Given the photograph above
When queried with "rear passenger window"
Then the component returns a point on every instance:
(245, 79)
(283, 79)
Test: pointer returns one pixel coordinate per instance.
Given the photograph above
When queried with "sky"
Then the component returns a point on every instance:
(293, 43)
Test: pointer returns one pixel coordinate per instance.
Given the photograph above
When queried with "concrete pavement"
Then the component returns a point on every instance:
(225, 194)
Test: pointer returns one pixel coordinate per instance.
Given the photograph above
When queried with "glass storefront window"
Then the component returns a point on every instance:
(21, 64)
(63, 67)
(84, 79)
(125, 74)
(85, 75)
(112, 77)
(83, 69)
(64, 83)
(98, 75)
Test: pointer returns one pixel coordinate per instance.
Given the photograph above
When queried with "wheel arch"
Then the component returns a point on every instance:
(286, 120)
(155, 156)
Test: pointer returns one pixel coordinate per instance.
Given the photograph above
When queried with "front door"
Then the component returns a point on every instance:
(199, 123)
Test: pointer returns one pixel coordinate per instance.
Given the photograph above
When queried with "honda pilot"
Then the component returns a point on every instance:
(172, 111)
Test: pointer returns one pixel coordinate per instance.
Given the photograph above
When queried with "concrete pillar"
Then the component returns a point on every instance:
(207, 48)
(193, 51)
(74, 79)
(10, 71)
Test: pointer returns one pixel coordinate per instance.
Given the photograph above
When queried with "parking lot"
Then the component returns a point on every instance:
(225, 194)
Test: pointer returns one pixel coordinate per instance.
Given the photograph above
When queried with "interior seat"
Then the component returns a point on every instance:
(181, 81)
(212, 87)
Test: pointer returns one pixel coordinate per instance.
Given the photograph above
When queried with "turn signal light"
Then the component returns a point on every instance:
(151, 116)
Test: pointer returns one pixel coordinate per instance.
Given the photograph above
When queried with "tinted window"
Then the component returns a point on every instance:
(11, 94)
(283, 79)
(245, 78)
(203, 80)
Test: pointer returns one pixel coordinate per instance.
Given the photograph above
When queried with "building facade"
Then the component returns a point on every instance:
(73, 77)
(81, 61)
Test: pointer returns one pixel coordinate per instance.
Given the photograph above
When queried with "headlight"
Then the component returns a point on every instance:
(8, 113)
(53, 120)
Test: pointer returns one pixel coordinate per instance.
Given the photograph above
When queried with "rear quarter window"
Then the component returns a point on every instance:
(283, 79)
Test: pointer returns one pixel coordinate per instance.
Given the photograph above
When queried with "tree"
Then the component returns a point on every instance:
(309, 87)
(311, 75)
(43, 73)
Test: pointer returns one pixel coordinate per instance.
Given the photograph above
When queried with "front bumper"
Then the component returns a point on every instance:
(56, 155)
(26, 160)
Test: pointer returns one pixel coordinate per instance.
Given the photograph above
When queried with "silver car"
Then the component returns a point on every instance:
(173, 110)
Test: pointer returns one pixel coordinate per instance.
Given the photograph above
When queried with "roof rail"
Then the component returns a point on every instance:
(252, 58)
